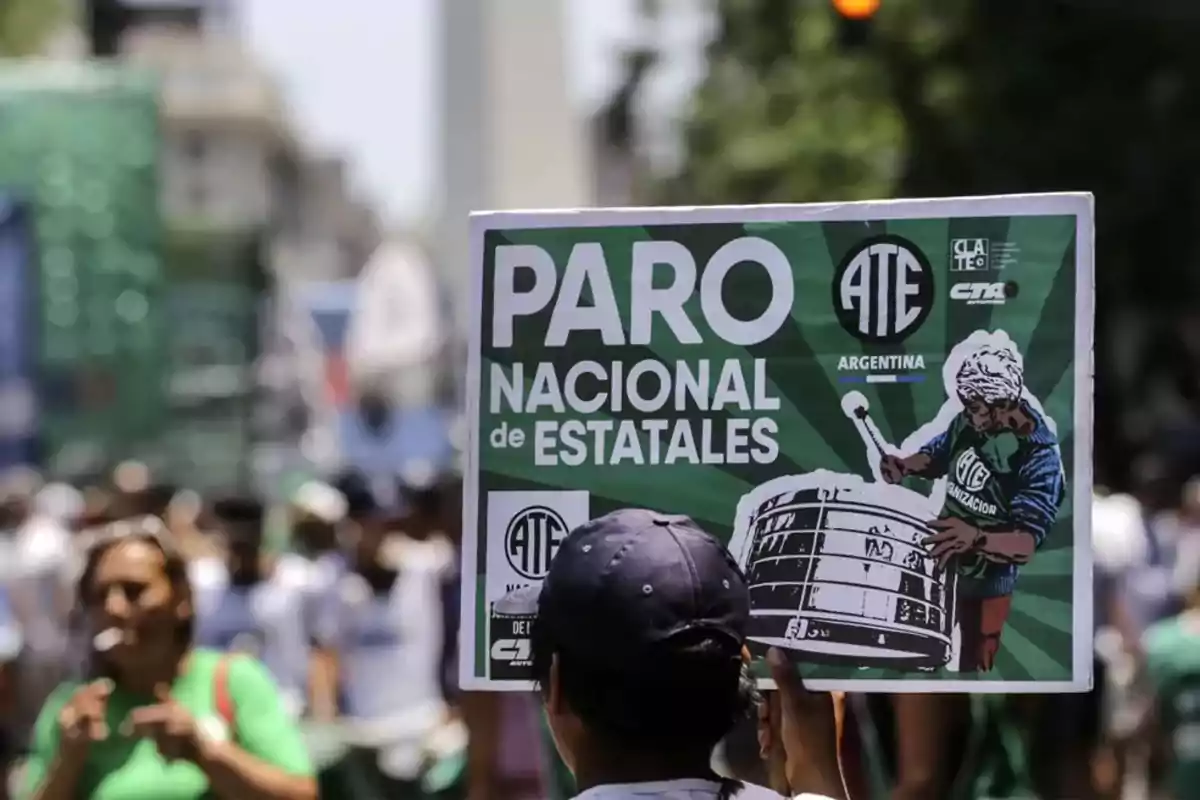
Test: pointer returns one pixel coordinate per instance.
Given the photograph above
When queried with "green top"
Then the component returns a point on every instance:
(1173, 662)
(122, 768)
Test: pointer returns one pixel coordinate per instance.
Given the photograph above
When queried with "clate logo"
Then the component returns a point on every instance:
(532, 539)
(969, 255)
(883, 290)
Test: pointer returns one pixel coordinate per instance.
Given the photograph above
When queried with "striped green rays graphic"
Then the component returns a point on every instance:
(802, 369)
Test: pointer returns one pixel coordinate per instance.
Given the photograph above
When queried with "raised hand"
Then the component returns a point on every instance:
(798, 735)
(82, 720)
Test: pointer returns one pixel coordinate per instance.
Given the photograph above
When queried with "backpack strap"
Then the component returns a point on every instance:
(221, 696)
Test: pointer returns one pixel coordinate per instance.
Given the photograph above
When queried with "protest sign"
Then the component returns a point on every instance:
(883, 409)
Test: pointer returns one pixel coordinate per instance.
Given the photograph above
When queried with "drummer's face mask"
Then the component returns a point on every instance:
(1008, 415)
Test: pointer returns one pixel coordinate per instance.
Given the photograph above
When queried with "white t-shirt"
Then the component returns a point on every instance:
(266, 620)
(390, 644)
(680, 790)
(38, 570)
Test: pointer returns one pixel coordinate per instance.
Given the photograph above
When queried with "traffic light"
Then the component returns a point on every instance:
(854, 20)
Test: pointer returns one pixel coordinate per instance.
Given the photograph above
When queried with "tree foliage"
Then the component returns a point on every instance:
(26, 24)
(953, 97)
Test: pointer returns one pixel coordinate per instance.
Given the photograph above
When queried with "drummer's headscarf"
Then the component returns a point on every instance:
(991, 374)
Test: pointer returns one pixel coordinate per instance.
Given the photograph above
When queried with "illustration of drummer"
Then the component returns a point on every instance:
(1004, 486)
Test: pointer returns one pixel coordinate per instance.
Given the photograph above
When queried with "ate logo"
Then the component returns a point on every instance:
(883, 290)
(532, 539)
(970, 472)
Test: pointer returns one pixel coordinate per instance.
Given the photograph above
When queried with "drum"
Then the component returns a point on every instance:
(839, 573)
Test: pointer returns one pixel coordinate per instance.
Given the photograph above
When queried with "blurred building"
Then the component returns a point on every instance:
(250, 214)
(635, 137)
(617, 157)
(321, 231)
(396, 339)
(223, 124)
(231, 160)
(511, 137)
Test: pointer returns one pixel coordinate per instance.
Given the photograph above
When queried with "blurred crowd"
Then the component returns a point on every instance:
(348, 594)
(1146, 547)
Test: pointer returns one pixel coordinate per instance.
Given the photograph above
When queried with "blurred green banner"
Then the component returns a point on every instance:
(81, 143)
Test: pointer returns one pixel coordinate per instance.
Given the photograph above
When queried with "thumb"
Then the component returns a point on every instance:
(162, 693)
(103, 688)
(787, 680)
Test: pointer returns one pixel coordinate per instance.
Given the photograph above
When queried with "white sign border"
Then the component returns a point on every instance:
(1081, 205)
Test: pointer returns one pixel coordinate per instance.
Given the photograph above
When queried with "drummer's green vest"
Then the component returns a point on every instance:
(981, 474)
(978, 466)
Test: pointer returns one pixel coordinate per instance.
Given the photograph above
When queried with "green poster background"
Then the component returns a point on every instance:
(1035, 256)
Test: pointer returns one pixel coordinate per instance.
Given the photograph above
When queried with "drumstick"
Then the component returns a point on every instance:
(864, 416)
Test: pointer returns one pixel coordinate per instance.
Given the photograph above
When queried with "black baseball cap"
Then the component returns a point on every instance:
(625, 587)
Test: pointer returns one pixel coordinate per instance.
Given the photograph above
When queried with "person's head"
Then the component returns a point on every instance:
(374, 410)
(18, 488)
(131, 477)
(638, 643)
(157, 498)
(89, 523)
(240, 529)
(1154, 482)
(184, 511)
(423, 513)
(362, 529)
(134, 580)
(423, 490)
(316, 511)
(1118, 532)
(989, 383)
(60, 502)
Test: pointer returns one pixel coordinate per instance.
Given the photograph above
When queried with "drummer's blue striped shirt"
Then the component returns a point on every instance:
(999, 481)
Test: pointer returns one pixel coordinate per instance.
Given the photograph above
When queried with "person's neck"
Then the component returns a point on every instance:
(608, 768)
(160, 668)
